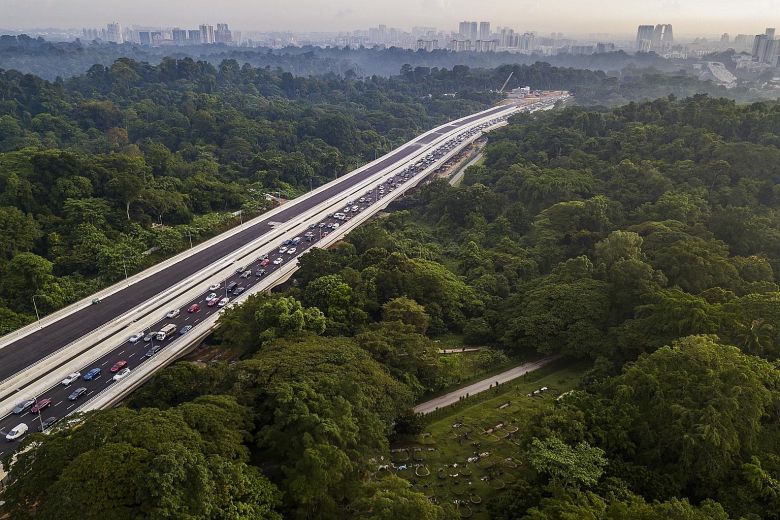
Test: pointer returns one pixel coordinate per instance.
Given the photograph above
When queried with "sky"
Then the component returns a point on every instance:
(574, 17)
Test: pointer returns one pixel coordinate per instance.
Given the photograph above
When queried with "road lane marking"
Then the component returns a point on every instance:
(121, 352)
(58, 403)
(104, 364)
(133, 354)
(70, 406)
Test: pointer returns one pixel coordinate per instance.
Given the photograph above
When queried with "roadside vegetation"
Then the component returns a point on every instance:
(640, 244)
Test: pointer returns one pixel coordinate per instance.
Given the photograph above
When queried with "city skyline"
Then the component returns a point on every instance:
(614, 17)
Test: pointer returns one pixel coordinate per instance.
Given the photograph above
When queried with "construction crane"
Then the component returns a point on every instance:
(505, 83)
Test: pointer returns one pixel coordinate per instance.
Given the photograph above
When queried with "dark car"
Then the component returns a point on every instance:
(185, 329)
(78, 393)
(259, 272)
(45, 425)
(238, 290)
(232, 286)
(40, 405)
(24, 405)
(152, 351)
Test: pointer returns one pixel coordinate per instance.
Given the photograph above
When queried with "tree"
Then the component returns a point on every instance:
(18, 230)
(393, 498)
(567, 467)
(406, 311)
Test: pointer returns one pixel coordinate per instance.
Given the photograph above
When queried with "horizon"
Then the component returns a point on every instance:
(690, 18)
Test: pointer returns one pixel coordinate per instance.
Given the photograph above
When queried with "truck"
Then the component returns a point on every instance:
(166, 332)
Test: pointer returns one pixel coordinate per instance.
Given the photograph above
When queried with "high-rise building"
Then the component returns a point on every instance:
(223, 34)
(766, 48)
(725, 38)
(427, 45)
(193, 36)
(179, 36)
(206, 34)
(484, 31)
(770, 32)
(663, 38)
(644, 34)
(114, 32)
(145, 37)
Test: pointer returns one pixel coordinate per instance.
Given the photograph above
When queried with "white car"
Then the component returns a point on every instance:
(335, 225)
(291, 251)
(211, 296)
(18, 431)
(282, 249)
(213, 287)
(173, 313)
(71, 378)
(121, 374)
(223, 302)
(278, 261)
(136, 337)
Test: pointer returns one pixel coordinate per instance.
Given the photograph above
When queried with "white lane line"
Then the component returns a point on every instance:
(187, 318)
(104, 364)
(70, 406)
(121, 352)
(90, 392)
(133, 354)
(58, 403)
(196, 321)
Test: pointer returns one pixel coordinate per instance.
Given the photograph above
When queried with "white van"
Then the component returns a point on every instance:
(165, 332)
(18, 431)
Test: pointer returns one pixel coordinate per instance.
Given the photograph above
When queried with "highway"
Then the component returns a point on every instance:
(26, 351)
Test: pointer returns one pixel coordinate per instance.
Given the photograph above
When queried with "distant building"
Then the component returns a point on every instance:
(193, 36)
(766, 48)
(460, 45)
(427, 45)
(179, 36)
(644, 37)
(663, 37)
(223, 34)
(743, 41)
(145, 37)
(484, 31)
(724, 38)
(207, 34)
(114, 33)
(605, 47)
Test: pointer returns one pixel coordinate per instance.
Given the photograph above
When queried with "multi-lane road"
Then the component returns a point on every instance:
(16, 356)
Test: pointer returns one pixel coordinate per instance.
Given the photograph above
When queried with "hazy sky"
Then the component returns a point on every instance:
(572, 16)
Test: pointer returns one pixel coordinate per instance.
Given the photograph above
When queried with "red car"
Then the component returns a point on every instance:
(40, 405)
(265, 262)
(193, 308)
(119, 365)
(213, 302)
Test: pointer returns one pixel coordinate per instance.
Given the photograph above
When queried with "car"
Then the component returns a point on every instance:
(335, 225)
(278, 261)
(308, 234)
(265, 262)
(136, 337)
(231, 286)
(211, 296)
(23, 406)
(16, 432)
(92, 374)
(321, 225)
(311, 226)
(173, 313)
(40, 405)
(282, 249)
(362, 200)
(247, 274)
(296, 240)
(345, 210)
(46, 424)
(119, 365)
(325, 233)
(73, 376)
(77, 393)
(194, 307)
(260, 272)
(291, 251)
(213, 287)
(223, 302)
(240, 269)
(239, 290)
(152, 351)
(149, 336)
(287, 242)
(213, 302)
(121, 374)
(185, 329)
(355, 209)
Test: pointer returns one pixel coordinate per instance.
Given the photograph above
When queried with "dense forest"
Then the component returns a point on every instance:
(642, 241)
(90, 165)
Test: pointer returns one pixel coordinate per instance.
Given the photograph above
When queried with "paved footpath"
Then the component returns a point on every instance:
(481, 386)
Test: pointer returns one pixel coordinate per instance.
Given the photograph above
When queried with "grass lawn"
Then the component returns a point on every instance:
(436, 461)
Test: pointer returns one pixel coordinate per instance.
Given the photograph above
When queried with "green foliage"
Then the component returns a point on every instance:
(567, 467)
